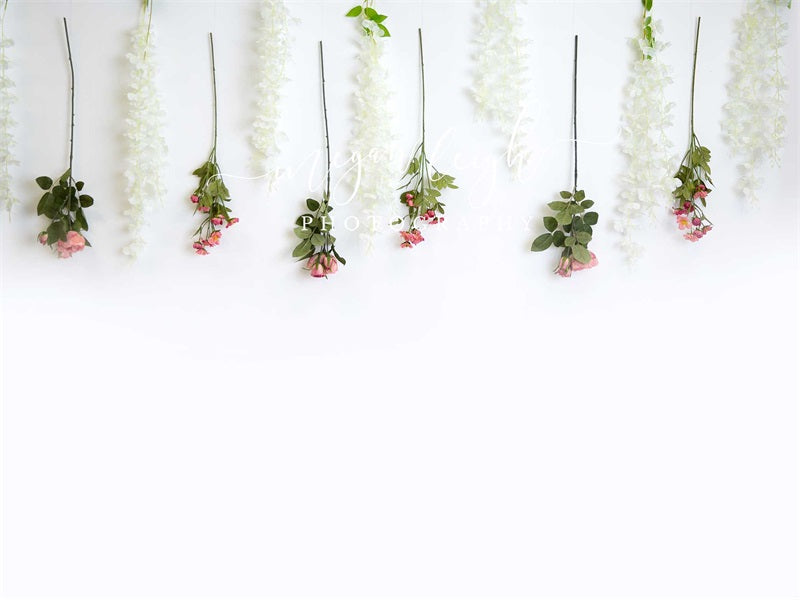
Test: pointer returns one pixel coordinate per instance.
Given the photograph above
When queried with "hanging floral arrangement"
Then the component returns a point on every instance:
(211, 197)
(694, 175)
(501, 89)
(274, 50)
(422, 184)
(570, 227)
(314, 228)
(7, 198)
(372, 145)
(147, 148)
(63, 202)
(755, 115)
(647, 181)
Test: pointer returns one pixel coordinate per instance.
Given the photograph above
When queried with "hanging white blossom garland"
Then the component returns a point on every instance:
(147, 148)
(755, 115)
(372, 145)
(7, 198)
(648, 180)
(273, 48)
(501, 88)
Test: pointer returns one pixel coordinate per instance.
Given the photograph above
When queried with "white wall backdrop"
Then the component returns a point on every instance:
(449, 421)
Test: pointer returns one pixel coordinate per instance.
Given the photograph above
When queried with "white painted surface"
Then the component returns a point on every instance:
(454, 420)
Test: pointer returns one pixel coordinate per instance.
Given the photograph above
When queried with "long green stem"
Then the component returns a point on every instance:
(148, 7)
(325, 116)
(214, 86)
(72, 98)
(422, 72)
(694, 75)
(575, 112)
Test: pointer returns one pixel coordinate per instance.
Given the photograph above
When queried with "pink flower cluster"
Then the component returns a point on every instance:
(322, 265)
(567, 265)
(690, 218)
(411, 238)
(75, 242)
(431, 216)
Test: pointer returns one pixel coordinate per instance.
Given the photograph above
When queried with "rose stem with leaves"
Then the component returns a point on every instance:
(576, 224)
(693, 173)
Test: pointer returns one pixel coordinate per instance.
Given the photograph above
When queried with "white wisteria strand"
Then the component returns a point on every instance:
(648, 179)
(273, 51)
(372, 145)
(147, 148)
(501, 88)
(755, 115)
(7, 97)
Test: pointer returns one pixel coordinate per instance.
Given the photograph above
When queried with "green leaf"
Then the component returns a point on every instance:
(564, 218)
(312, 204)
(79, 185)
(44, 182)
(354, 12)
(56, 231)
(65, 177)
(584, 237)
(590, 218)
(566, 195)
(550, 224)
(581, 254)
(557, 205)
(558, 239)
(543, 242)
(80, 220)
(302, 249)
(317, 239)
(587, 204)
(579, 195)
(570, 242)
(86, 200)
(303, 233)
(384, 30)
(370, 13)
(338, 257)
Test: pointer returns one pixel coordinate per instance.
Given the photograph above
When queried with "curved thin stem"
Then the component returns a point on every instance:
(72, 98)
(325, 114)
(214, 86)
(694, 75)
(148, 7)
(575, 112)
(422, 72)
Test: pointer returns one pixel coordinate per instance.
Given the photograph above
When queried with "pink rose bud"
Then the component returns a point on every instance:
(318, 270)
(43, 238)
(409, 196)
(332, 266)
(194, 199)
(205, 209)
(687, 205)
(217, 221)
(564, 267)
(201, 251)
(696, 222)
(232, 221)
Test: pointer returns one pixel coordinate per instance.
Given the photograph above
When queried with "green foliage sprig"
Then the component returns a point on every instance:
(317, 243)
(571, 226)
(372, 21)
(211, 195)
(63, 202)
(647, 26)
(422, 184)
(694, 175)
